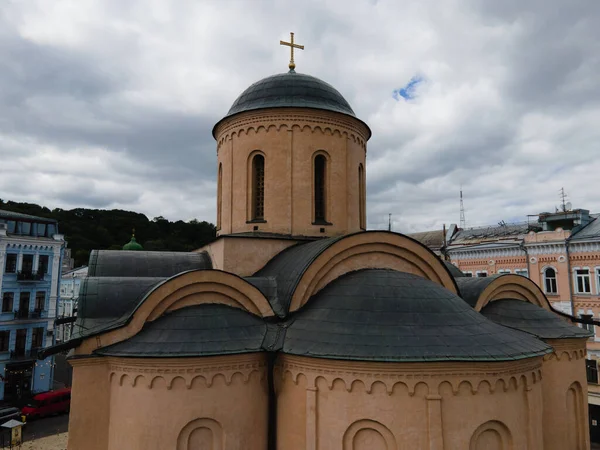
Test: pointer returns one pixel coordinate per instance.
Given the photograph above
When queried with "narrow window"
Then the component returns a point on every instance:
(582, 281)
(258, 187)
(482, 273)
(361, 196)
(503, 271)
(40, 301)
(591, 368)
(11, 263)
(468, 274)
(36, 337)
(598, 280)
(27, 264)
(43, 265)
(4, 339)
(7, 301)
(24, 300)
(219, 195)
(550, 281)
(320, 171)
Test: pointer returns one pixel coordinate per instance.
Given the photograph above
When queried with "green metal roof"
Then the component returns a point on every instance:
(133, 245)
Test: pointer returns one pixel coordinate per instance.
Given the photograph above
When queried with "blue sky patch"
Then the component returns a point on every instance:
(408, 92)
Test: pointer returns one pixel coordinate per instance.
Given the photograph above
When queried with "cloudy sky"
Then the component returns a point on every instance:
(110, 103)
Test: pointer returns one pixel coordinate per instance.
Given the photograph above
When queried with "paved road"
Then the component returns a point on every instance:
(48, 426)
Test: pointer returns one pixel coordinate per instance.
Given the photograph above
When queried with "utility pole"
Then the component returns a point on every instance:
(390, 222)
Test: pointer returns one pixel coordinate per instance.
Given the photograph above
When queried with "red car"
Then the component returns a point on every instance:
(48, 403)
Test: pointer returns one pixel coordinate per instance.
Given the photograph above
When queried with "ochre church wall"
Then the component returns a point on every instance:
(90, 405)
(565, 396)
(232, 254)
(325, 404)
(289, 141)
(170, 404)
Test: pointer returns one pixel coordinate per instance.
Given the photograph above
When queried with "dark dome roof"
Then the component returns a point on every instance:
(290, 90)
(201, 330)
(525, 316)
(385, 315)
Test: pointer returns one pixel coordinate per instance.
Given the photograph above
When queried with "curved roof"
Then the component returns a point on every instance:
(116, 263)
(385, 315)
(290, 90)
(287, 268)
(525, 316)
(202, 330)
(105, 302)
(454, 271)
(470, 288)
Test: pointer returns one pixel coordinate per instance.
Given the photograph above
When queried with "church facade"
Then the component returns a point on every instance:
(297, 329)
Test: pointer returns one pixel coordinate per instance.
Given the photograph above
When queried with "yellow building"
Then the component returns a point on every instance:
(297, 329)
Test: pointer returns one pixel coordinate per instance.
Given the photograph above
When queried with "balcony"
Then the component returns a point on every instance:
(29, 276)
(22, 354)
(22, 314)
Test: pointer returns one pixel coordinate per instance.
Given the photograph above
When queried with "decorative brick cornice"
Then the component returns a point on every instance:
(571, 349)
(276, 119)
(138, 372)
(432, 374)
(460, 253)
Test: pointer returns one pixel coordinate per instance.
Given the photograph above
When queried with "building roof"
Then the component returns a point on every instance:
(117, 263)
(286, 269)
(8, 215)
(107, 302)
(290, 90)
(202, 330)
(525, 316)
(470, 288)
(385, 315)
(491, 233)
(454, 271)
(590, 231)
(432, 239)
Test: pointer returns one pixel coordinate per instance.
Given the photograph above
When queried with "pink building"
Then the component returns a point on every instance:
(559, 251)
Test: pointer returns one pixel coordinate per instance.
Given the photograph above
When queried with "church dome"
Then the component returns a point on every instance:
(290, 90)
(389, 316)
(133, 245)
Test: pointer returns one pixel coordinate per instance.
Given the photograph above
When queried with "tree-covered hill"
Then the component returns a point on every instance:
(99, 229)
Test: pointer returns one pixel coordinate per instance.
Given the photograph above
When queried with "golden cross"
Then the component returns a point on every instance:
(292, 46)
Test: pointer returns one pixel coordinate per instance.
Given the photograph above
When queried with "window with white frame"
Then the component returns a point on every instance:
(598, 280)
(482, 273)
(468, 274)
(550, 285)
(588, 326)
(503, 271)
(522, 272)
(582, 281)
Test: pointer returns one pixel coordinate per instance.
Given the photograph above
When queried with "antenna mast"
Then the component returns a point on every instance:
(563, 198)
(463, 222)
(390, 222)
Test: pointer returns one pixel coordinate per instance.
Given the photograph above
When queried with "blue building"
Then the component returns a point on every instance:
(30, 261)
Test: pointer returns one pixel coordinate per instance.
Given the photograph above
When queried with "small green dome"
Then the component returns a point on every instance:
(133, 245)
